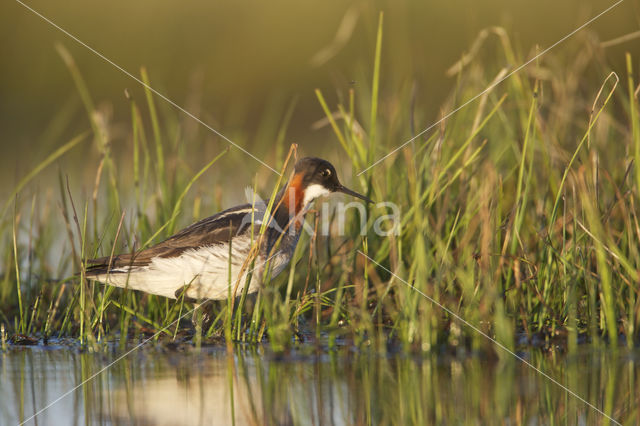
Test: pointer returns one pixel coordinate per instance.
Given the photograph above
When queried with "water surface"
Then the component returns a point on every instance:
(163, 386)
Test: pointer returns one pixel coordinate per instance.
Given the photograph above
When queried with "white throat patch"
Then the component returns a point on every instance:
(312, 192)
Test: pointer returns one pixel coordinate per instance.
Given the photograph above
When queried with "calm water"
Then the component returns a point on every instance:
(156, 385)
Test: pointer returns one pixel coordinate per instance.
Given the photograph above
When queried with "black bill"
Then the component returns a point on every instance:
(346, 190)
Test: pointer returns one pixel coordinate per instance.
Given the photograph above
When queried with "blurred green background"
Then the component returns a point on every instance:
(240, 65)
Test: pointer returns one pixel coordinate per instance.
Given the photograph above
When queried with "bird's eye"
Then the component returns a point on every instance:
(326, 173)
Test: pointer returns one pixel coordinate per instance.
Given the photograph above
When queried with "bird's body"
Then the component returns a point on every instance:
(204, 260)
(196, 259)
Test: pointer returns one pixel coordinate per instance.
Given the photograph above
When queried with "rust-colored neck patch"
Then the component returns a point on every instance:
(294, 195)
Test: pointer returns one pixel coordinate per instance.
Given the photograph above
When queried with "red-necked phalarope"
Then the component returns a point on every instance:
(195, 261)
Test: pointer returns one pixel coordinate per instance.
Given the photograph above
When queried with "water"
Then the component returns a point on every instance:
(170, 386)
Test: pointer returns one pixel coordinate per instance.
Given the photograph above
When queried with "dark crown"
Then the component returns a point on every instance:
(317, 171)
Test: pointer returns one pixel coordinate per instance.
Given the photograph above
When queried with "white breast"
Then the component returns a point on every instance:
(312, 192)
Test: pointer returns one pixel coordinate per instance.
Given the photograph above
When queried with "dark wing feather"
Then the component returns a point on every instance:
(216, 229)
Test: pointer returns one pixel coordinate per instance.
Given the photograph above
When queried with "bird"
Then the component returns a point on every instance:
(195, 262)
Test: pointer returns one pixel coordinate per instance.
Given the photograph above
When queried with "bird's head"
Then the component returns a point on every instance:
(314, 177)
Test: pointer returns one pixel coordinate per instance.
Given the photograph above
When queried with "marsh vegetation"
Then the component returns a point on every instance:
(518, 213)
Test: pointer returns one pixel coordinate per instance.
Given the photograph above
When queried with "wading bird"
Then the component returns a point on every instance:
(195, 261)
